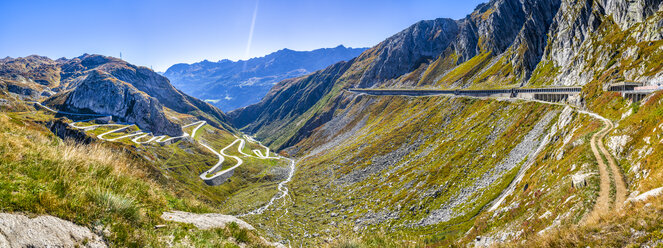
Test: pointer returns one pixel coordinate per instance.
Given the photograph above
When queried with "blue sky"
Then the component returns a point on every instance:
(162, 33)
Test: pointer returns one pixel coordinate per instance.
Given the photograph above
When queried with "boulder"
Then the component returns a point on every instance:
(580, 180)
(44, 231)
(205, 221)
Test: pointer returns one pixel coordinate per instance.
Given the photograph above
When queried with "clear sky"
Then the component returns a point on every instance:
(161, 33)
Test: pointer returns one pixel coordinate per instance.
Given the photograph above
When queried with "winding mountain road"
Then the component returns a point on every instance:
(206, 175)
(209, 174)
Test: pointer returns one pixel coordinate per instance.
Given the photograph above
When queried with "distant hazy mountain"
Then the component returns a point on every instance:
(230, 85)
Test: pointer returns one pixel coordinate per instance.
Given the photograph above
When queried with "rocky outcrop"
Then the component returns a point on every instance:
(141, 90)
(514, 29)
(586, 38)
(160, 88)
(144, 80)
(25, 89)
(530, 43)
(628, 13)
(205, 221)
(406, 50)
(579, 180)
(61, 128)
(210, 221)
(100, 93)
(44, 231)
(34, 69)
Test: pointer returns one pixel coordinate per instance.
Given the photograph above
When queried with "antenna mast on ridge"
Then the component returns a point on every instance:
(120, 55)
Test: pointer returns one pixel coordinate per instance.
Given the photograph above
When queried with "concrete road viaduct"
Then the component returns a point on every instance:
(569, 95)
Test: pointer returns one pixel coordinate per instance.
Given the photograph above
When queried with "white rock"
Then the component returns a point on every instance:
(580, 180)
(205, 221)
(644, 196)
(617, 143)
(627, 114)
(570, 198)
(545, 215)
(44, 231)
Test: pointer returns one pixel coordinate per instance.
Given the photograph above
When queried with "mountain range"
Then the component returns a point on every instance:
(428, 166)
(233, 84)
(503, 43)
(368, 169)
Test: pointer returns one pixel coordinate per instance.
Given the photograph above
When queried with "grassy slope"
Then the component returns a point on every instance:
(326, 202)
(641, 160)
(98, 186)
(480, 73)
(182, 162)
(547, 188)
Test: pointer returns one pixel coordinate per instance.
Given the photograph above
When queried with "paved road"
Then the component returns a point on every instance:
(138, 135)
(430, 92)
(204, 176)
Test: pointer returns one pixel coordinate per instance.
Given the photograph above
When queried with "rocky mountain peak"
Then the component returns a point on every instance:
(404, 51)
(101, 93)
(503, 43)
(109, 86)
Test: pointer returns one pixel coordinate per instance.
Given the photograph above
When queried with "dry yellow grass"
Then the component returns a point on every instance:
(98, 186)
(636, 225)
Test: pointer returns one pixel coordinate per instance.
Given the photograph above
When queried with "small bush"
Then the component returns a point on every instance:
(118, 204)
(240, 234)
(347, 244)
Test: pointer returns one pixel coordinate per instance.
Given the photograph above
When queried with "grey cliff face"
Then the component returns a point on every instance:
(406, 50)
(144, 80)
(501, 27)
(105, 85)
(102, 94)
(532, 38)
(503, 42)
(512, 28)
(576, 37)
(629, 13)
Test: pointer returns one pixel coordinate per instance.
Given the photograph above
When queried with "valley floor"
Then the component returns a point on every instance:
(380, 173)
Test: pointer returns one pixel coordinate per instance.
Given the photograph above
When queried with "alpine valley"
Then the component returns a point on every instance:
(528, 123)
(230, 85)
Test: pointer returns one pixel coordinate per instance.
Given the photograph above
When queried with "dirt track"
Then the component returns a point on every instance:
(603, 201)
(620, 186)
